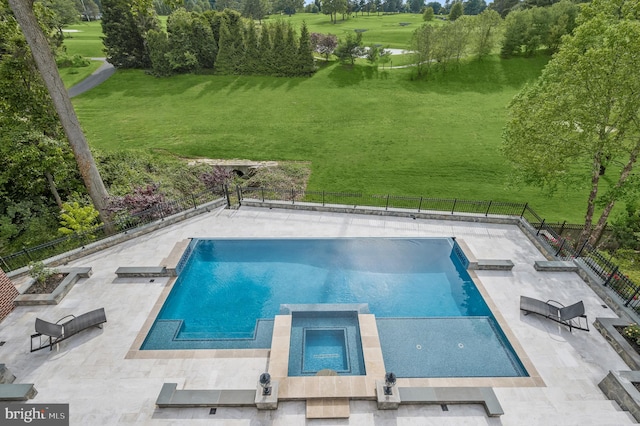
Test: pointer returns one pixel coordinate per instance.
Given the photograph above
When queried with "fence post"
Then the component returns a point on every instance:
(561, 247)
(322, 198)
(633, 296)
(239, 192)
(524, 210)
(28, 255)
(582, 248)
(453, 209)
(540, 228)
(613, 273)
(420, 205)
(293, 197)
(225, 188)
(262, 190)
(6, 266)
(562, 228)
(387, 206)
(193, 198)
(488, 207)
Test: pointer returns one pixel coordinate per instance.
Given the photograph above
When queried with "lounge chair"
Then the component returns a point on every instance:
(65, 327)
(555, 311)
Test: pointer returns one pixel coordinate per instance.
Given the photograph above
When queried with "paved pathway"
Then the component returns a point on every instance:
(100, 75)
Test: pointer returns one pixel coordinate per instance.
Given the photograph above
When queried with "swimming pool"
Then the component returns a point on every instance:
(229, 290)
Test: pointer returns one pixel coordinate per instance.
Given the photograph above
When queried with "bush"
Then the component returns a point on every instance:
(632, 332)
(39, 272)
(66, 61)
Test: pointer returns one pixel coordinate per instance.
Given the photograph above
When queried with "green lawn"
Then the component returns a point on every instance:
(362, 130)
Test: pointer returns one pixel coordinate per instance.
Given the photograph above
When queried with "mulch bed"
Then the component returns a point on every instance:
(50, 284)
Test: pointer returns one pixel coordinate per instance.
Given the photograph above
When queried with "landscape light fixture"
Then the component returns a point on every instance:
(389, 383)
(265, 382)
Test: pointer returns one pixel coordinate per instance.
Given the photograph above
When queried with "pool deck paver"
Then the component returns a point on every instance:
(106, 380)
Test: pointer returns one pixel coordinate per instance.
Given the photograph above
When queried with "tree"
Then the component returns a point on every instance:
(333, 7)
(474, 7)
(350, 48)
(503, 7)
(288, 6)
(485, 28)
(125, 25)
(428, 14)
(456, 11)
(255, 9)
(306, 62)
(583, 109)
(435, 6)
(423, 45)
(64, 13)
(415, 6)
(46, 64)
(324, 44)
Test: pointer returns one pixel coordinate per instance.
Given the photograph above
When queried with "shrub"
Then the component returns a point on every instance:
(632, 332)
(39, 272)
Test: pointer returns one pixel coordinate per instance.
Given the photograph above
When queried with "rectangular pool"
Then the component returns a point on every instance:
(229, 291)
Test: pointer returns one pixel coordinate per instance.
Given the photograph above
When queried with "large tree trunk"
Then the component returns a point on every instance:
(43, 57)
(624, 175)
(591, 203)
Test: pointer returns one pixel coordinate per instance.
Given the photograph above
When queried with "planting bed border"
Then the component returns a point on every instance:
(53, 298)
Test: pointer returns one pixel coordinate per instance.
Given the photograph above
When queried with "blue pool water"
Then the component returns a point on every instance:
(328, 340)
(229, 291)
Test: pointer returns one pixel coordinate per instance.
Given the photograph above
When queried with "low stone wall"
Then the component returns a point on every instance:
(53, 298)
(618, 386)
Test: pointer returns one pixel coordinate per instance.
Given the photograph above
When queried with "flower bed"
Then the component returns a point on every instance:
(28, 298)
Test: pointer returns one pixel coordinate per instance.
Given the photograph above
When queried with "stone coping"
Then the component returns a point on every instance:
(618, 386)
(53, 298)
(606, 327)
(555, 266)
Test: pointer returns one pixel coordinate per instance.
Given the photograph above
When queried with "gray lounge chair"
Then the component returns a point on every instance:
(555, 311)
(65, 327)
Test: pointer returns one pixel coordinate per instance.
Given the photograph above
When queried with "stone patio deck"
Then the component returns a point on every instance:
(106, 380)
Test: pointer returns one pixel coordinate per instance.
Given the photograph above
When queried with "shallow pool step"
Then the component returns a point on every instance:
(328, 408)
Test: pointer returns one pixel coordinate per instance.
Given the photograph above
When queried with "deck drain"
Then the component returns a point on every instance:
(151, 280)
(2, 343)
(444, 407)
(212, 411)
(605, 306)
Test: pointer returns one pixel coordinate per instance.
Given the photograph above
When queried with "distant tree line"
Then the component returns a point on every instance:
(211, 41)
(522, 33)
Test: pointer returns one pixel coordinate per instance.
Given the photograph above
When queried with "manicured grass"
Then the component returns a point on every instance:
(86, 40)
(363, 130)
(383, 29)
(74, 75)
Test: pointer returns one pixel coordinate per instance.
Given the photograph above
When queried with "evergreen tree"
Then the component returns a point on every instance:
(251, 50)
(225, 61)
(265, 52)
(306, 63)
(290, 56)
(125, 26)
(158, 48)
(278, 48)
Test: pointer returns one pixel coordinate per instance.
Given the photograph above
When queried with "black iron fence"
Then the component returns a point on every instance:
(121, 223)
(554, 237)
